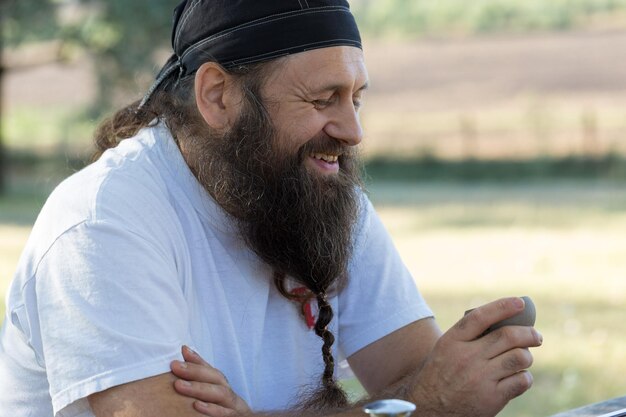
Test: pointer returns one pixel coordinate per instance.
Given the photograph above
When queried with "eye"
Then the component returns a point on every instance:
(324, 102)
(320, 104)
(357, 101)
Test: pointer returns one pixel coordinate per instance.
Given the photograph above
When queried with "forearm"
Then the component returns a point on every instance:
(150, 397)
(466, 374)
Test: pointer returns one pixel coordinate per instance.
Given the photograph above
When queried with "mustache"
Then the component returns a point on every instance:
(323, 143)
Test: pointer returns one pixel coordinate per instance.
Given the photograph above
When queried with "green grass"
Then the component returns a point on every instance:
(425, 17)
(561, 242)
(48, 129)
(428, 168)
(18, 211)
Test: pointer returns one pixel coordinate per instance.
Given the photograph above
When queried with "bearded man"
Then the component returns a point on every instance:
(225, 211)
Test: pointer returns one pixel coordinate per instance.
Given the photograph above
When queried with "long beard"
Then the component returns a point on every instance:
(298, 222)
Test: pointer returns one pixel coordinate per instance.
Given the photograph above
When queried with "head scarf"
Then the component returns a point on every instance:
(240, 32)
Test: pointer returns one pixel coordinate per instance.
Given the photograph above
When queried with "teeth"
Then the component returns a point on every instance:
(325, 157)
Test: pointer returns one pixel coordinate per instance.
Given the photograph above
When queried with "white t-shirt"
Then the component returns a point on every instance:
(130, 259)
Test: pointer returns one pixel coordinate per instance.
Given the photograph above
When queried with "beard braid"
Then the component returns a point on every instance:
(299, 223)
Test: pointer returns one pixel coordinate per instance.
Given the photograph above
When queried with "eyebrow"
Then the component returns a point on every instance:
(335, 87)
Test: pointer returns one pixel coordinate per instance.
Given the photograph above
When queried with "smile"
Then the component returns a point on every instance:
(325, 157)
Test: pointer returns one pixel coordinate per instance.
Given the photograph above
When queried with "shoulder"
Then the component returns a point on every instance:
(128, 189)
(128, 183)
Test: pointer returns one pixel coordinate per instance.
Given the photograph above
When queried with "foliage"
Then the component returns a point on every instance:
(19, 17)
(429, 168)
(121, 36)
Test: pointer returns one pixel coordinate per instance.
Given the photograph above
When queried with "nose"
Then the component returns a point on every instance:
(345, 125)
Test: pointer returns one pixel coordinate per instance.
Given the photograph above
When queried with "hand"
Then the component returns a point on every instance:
(471, 375)
(207, 385)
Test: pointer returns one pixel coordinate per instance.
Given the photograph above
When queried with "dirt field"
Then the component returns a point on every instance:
(505, 97)
(425, 75)
(440, 75)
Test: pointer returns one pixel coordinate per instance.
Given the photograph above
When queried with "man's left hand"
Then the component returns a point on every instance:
(208, 386)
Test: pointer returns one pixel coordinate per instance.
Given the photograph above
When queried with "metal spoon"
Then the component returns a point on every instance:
(389, 408)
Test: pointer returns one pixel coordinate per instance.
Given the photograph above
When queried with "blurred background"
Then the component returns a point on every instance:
(495, 149)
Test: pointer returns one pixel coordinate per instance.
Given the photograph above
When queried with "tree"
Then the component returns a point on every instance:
(121, 36)
(16, 17)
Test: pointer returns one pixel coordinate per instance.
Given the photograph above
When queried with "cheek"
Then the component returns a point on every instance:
(289, 145)
(300, 128)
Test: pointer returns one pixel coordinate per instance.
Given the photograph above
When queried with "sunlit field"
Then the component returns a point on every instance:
(562, 243)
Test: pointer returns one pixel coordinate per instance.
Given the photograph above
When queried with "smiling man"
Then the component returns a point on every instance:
(225, 212)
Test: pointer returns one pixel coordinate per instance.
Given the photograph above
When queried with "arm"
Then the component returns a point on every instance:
(156, 397)
(458, 374)
(461, 373)
(468, 374)
(201, 389)
(401, 352)
(150, 397)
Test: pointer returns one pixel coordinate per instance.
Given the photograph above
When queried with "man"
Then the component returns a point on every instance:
(225, 212)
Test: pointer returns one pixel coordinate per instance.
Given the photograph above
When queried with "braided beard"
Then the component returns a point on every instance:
(299, 223)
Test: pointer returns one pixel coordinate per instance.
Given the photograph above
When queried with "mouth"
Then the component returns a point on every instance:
(331, 159)
(324, 163)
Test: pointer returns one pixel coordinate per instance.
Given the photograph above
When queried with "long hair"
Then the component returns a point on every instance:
(174, 103)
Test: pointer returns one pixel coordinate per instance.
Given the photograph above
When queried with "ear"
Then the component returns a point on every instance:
(214, 96)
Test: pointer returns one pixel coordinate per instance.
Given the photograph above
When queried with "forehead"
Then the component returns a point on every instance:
(339, 67)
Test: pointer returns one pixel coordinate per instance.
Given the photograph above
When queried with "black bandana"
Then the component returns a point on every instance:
(239, 32)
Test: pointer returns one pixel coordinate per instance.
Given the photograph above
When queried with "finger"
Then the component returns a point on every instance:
(210, 393)
(515, 385)
(192, 356)
(202, 408)
(509, 363)
(476, 322)
(213, 410)
(510, 337)
(198, 373)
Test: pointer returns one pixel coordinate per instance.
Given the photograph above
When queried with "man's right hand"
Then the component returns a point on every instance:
(471, 375)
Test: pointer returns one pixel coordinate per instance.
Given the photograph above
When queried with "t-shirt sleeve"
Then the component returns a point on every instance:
(111, 310)
(381, 296)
